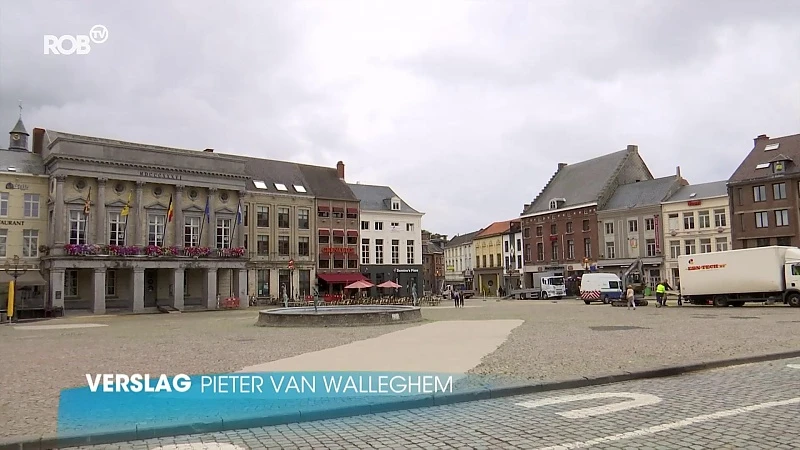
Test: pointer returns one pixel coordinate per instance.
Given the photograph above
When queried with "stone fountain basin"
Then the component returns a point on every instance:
(339, 316)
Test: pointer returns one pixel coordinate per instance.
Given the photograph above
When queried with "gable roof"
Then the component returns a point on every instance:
(701, 191)
(643, 193)
(271, 172)
(462, 239)
(788, 146)
(325, 183)
(579, 183)
(378, 198)
(431, 247)
(494, 229)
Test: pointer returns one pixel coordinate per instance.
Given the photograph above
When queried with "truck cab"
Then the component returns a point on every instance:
(552, 287)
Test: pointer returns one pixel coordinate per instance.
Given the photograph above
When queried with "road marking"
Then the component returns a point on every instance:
(636, 400)
(673, 425)
(793, 366)
(59, 327)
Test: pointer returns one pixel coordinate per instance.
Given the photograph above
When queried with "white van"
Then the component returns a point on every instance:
(600, 287)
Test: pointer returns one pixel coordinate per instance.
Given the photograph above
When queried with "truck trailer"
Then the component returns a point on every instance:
(733, 277)
(545, 285)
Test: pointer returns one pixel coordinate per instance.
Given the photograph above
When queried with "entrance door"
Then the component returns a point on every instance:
(150, 287)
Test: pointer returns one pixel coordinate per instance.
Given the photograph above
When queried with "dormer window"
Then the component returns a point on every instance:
(395, 205)
(778, 166)
(557, 203)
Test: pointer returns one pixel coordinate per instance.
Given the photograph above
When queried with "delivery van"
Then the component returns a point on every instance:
(600, 287)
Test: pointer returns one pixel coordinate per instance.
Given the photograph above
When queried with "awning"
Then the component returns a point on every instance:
(352, 210)
(339, 233)
(345, 278)
(338, 209)
(323, 208)
(324, 232)
(29, 278)
(352, 233)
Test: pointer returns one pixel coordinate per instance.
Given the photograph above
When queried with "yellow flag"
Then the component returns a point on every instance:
(127, 209)
(11, 289)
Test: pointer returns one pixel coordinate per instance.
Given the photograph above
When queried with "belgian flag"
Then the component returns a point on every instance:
(170, 210)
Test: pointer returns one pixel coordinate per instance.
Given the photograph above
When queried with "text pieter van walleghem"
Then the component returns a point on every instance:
(273, 384)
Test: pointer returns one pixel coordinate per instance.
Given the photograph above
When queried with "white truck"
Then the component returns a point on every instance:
(761, 274)
(545, 285)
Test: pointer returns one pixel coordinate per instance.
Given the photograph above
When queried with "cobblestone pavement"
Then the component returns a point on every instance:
(752, 406)
(559, 339)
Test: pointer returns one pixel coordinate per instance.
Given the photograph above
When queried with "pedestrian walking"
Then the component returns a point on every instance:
(631, 297)
(454, 296)
(661, 294)
(461, 299)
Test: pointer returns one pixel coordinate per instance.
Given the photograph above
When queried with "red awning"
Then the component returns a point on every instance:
(352, 210)
(324, 232)
(338, 209)
(323, 208)
(352, 233)
(346, 278)
(338, 232)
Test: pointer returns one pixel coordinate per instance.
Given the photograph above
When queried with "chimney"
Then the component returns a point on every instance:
(38, 140)
(209, 150)
(526, 206)
(633, 148)
(762, 137)
(340, 170)
(561, 165)
(678, 171)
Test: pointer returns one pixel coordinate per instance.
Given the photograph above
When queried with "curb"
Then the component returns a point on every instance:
(289, 417)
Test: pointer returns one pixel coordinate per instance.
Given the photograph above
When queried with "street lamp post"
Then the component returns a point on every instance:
(15, 269)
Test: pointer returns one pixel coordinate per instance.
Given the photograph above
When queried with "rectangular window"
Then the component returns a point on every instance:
(587, 247)
(352, 263)
(116, 229)
(111, 283)
(283, 217)
(70, 283)
(262, 244)
(378, 226)
(491, 260)
(77, 227)
(720, 219)
(155, 229)
(323, 212)
(3, 242)
(539, 230)
(324, 239)
(762, 242)
(505, 244)
(304, 282)
(262, 283)
(395, 225)
(689, 247)
(762, 219)
(378, 250)
(705, 245)
(527, 252)
(519, 245)
(364, 251)
(338, 240)
(540, 251)
(409, 227)
(784, 241)
(30, 243)
(325, 263)
(674, 249)
(508, 262)
(526, 232)
(650, 247)
(191, 232)
(283, 245)
(262, 216)
(704, 219)
(302, 219)
(650, 224)
(610, 250)
(674, 221)
(609, 227)
(224, 233)
(395, 251)
(484, 261)
(688, 221)
(586, 225)
(569, 227)
(519, 261)
(759, 193)
(633, 226)
(31, 206)
(553, 229)
(3, 204)
(554, 250)
(779, 191)
(570, 249)
(303, 246)
(477, 262)
(782, 218)
(352, 213)
(722, 244)
(352, 240)
(365, 225)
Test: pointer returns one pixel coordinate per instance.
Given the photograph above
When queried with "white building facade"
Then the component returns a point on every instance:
(512, 257)
(459, 255)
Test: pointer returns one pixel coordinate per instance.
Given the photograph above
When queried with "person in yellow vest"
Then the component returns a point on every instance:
(661, 295)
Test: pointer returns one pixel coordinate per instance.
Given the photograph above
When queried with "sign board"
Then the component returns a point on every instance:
(12, 222)
(337, 250)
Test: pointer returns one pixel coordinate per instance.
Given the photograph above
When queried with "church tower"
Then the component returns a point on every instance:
(19, 136)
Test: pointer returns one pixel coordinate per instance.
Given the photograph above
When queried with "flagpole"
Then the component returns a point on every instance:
(125, 233)
(166, 222)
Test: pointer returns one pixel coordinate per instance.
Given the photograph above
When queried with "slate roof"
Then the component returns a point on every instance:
(325, 183)
(495, 229)
(579, 183)
(19, 127)
(24, 162)
(378, 198)
(788, 146)
(462, 239)
(270, 172)
(431, 248)
(703, 190)
(643, 193)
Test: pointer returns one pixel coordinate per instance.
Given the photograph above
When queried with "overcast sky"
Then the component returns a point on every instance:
(465, 108)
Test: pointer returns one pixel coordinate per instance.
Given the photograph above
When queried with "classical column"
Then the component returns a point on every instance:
(100, 212)
(211, 226)
(210, 288)
(241, 229)
(57, 288)
(99, 291)
(240, 287)
(59, 230)
(140, 223)
(177, 204)
(177, 288)
(137, 288)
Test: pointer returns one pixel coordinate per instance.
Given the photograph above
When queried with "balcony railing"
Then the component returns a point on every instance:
(153, 251)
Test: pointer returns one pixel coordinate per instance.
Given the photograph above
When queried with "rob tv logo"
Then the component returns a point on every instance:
(80, 44)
